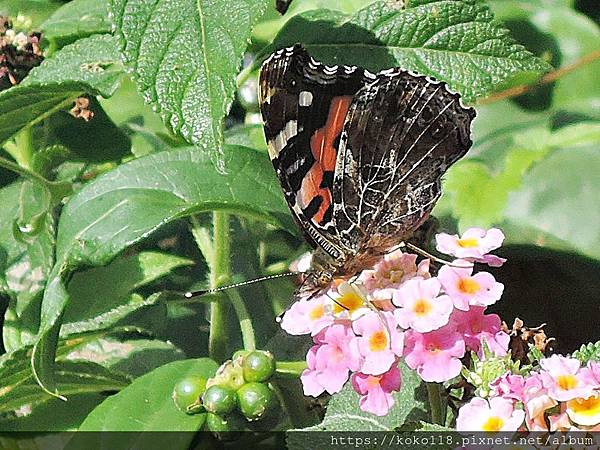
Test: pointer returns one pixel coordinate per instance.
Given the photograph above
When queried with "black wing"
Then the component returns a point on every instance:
(401, 134)
(304, 105)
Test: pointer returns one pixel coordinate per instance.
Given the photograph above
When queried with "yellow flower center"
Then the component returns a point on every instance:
(422, 307)
(468, 286)
(378, 341)
(317, 312)
(494, 423)
(567, 382)
(468, 243)
(350, 302)
(589, 406)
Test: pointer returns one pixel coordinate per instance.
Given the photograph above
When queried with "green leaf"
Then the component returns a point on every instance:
(147, 405)
(97, 140)
(455, 41)
(90, 65)
(583, 133)
(478, 196)
(72, 378)
(576, 36)
(589, 352)
(101, 296)
(133, 357)
(93, 62)
(185, 56)
(24, 266)
(565, 207)
(496, 124)
(272, 21)
(77, 19)
(344, 414)
(34, 206)
(127, 105)
(20, 391)
(25, 105)
(35, 10)
(128, 110)
(251, 136)
(125, 205)
(52, 415)
(109, 316)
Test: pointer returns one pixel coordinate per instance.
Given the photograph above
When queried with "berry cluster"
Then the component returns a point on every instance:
(238, 395)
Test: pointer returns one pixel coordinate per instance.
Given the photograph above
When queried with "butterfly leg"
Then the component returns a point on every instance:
(336, 302)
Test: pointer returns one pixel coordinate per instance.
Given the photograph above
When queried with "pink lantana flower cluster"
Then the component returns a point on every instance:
(560, 396)
(400, 309)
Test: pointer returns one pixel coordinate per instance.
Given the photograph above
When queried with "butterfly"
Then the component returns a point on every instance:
(360, 156)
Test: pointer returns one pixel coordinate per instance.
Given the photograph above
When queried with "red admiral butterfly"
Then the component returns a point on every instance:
(360, 156)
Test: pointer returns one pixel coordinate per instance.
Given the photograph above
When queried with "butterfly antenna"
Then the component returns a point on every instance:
(308, 274)
(199, 293)
(422, 252)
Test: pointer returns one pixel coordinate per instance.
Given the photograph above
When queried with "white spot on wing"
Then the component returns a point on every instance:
(305, 98)
(276, 145)
(291, 129)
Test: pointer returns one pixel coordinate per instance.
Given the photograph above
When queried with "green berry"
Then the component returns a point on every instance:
(255, 400)
(225, 428)
(258, 366)
(187, 392)
(219, 399)
(239, 354)
(230, 375)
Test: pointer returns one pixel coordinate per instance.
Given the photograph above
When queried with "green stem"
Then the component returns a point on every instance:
(217, 252)
(21, 149)
(244, 318)
(219, 275)
(24, 172)
(25, 142)
(290, 368)
(203, 240)
(57, 189)
(434, 392)
(244, 75)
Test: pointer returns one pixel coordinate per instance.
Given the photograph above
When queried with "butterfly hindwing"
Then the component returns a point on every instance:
(401, 134)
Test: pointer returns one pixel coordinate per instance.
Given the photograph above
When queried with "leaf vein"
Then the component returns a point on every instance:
(142, 35)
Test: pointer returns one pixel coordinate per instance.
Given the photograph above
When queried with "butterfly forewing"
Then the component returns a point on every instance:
(304, 105)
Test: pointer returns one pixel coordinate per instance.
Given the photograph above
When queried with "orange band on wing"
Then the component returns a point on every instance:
(325, 154)
(321, 142)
